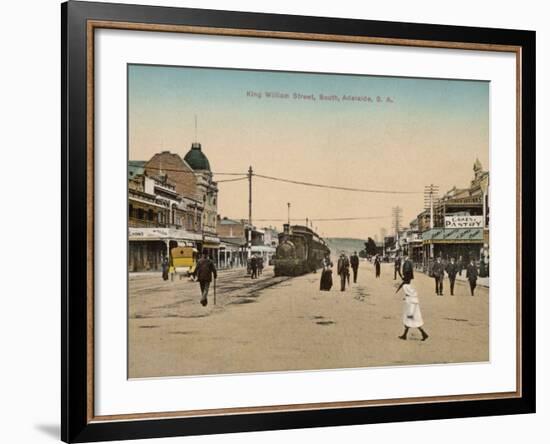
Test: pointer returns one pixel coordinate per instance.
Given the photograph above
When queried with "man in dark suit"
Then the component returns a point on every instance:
(204, 272)
(397, 268)
(471, 275)
(407, 274)
(377, 265)
(253, 267)
(438, 272)
(354, 262)
(452, 270)
(343, 270)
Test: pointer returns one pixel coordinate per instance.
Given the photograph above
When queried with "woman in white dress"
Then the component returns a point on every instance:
(412, 316)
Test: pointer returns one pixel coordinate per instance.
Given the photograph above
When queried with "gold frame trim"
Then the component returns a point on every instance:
(97, 24)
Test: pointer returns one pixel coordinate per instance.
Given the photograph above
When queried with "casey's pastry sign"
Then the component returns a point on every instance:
(463, 221)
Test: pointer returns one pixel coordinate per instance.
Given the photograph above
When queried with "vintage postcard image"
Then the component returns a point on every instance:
(283, 221)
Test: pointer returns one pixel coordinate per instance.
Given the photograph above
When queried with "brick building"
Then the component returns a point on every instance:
(176, 171)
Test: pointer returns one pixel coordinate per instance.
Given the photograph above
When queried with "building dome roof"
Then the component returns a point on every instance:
(196, 159)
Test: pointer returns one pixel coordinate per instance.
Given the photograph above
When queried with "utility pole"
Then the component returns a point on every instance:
(396, 213)
(430, 193)
(249, 240)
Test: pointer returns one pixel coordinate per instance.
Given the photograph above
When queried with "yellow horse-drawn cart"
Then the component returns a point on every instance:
(184, 260)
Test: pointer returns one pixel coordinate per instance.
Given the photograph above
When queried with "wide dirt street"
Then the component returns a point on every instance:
(277, 324)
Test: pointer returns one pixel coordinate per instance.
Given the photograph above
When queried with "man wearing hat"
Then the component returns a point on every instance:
(452, 270)
(204, 272)
(343, 270)
(408, 273)
(354, 262)
(438, 272)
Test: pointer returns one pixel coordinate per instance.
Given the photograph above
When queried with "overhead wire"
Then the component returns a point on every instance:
(232, 180)
(295, 182)
(335, 187)
(321, 219)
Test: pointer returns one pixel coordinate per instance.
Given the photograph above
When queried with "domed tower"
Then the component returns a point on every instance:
(196, 159)
(207, 189)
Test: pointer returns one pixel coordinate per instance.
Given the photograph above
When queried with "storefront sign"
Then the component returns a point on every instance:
(211, 239)
(463, 221)
(161, 234)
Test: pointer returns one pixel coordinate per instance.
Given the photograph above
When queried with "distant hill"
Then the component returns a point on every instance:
(347, 244)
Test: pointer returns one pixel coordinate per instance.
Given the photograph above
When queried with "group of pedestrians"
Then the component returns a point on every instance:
(256, 266)
(403, 268)
(342, 269)
(452, 269)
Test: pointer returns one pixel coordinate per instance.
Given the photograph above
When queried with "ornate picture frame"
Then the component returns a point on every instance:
(80, 22)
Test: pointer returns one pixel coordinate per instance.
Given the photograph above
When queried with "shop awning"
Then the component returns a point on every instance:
(453, 236)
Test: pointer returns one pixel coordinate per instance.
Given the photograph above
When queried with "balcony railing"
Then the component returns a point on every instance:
(145, 223)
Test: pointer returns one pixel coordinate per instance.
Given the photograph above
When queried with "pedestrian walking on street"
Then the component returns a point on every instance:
(260, 265)
(377, 266)
(354, 262)
(164, 268)
(471, 275)
(412, 316)
(343, 270)
(326, 275)
(253, 267)
(348, 274)
(408, 269)
(203, 272)
(438, 272)
(452, 270)
(397, 268)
